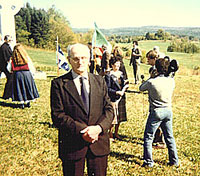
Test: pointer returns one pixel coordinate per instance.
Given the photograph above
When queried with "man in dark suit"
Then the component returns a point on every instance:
(135, 61)
(83, 114)
(5, 54)
(105, 60)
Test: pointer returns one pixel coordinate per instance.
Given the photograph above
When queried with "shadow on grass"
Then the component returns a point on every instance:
(48, 124)
(134, 91)
(134, 140)
(126, 157)
(12, 105)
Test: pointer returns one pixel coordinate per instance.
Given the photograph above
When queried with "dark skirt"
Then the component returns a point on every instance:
(24, 88)
(122, 117)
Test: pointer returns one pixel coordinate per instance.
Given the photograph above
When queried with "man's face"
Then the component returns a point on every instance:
(151, 61)
(79, 59)
(116, 66)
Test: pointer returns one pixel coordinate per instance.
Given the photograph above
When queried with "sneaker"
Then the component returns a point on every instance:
(21, 106)
(174, 165)
(147, 165)
(28, 105)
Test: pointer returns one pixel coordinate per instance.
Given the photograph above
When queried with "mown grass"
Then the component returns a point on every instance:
(29, 142)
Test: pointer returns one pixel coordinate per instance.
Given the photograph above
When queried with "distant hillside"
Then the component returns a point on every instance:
(135, 31)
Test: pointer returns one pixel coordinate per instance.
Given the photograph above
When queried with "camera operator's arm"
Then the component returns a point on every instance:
(145, 85)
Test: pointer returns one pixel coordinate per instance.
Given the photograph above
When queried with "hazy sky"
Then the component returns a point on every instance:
(126, 13)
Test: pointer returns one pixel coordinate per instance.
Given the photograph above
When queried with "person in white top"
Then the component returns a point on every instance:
(160, 90)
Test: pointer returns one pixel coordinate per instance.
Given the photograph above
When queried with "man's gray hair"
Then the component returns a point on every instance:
(69, 50)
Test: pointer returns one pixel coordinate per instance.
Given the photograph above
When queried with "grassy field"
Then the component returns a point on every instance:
(28, 141)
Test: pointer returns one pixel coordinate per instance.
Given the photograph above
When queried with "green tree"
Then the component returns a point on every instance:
(40, 27)
(59, 26)
(160, 34)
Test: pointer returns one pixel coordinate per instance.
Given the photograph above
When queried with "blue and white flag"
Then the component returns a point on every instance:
(61, 60)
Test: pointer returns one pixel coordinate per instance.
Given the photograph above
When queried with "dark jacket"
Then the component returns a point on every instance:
(70, 117)
(105, 60)
(5, 54)
(113, 86)
(134, 58)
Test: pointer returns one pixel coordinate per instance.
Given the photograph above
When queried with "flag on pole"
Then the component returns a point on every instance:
(99, 39)
(61, 59)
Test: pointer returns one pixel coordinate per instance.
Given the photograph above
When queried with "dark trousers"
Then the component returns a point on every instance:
(91, 67)
(136, 71)
(8, 86)
(6, 72)
(96, 166)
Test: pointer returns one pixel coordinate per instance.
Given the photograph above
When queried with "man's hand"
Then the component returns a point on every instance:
(121, 93)
(134, 54)
(91, 133)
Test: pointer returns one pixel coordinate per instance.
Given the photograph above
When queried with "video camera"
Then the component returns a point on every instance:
(173, 66)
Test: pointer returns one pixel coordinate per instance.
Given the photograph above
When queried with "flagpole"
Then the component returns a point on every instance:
(95, 60)
(57, 56)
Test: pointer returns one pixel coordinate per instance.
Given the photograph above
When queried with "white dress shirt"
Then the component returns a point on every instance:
(76, 79)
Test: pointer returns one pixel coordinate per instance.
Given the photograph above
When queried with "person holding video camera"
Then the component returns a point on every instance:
(152, 56)
(160, 90)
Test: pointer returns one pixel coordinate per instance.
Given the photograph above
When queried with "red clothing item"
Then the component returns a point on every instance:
(19, 68)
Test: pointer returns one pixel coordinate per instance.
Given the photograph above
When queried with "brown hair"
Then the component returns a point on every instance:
(162, 65)
(117, 51)
(152, 55)
(20, 56)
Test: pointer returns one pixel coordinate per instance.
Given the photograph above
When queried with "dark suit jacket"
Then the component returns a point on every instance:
(134, 58)
(5, 54)
(105, 60)
(70, 117)
(113, 86)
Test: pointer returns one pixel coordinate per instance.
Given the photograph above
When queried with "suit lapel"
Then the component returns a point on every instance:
(70, 87)
(94, 89)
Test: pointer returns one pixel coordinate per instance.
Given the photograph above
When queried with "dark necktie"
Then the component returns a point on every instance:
(84, 94)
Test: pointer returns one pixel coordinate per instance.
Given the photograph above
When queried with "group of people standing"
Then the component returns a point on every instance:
(15, 64)
(85, 107)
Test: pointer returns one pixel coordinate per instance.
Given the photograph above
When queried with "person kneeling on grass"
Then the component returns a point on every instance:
(160, 90)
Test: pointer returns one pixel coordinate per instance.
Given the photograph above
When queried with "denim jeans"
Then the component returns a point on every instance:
(159, 117)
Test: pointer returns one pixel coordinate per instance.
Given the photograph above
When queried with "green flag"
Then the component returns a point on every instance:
(99, 39)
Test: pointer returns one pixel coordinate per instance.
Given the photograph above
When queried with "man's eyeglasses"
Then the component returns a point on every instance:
(78, 59)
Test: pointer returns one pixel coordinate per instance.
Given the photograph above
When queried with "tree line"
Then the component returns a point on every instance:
(40, 28)
(184, 46)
